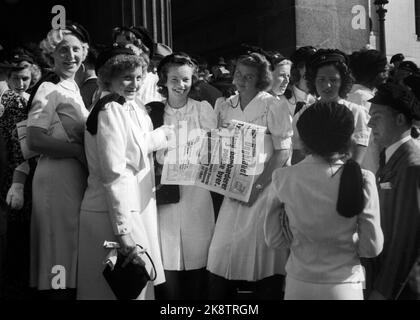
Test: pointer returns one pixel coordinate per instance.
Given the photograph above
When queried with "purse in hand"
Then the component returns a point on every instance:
(127, 282)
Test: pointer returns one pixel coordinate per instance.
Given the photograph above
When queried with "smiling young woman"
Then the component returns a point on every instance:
(119, 203)
(56, 122)
(185, 227)
(328, 77)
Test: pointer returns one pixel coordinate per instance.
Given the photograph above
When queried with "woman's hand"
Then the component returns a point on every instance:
(15, 198)
(170, 134)
(130, 249)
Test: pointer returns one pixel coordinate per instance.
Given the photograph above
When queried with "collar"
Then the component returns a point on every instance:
(361, 87)
(104, 93)
(26, 96)
(128, 105)
(234, 101)
(172, 111)
(310, 158)
(69, 85)
(301, 95)
(89, 78)
(393, 147)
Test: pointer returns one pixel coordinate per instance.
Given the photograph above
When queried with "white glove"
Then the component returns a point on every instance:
(15, 196)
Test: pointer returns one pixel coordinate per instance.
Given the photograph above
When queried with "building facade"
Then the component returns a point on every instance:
(214, 28)
(402, 28)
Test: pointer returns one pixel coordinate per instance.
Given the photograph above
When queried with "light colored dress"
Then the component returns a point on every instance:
(325, 247)
(297, 96)
(120, 196)
(58, 185)
(360, 95)
(361, 130)
(186, 227)
(238, 250)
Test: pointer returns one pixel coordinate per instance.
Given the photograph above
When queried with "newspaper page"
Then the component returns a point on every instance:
(224, 161)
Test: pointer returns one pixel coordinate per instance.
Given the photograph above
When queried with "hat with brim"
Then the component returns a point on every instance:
(398, 98)
(78, 30)
(322, 57)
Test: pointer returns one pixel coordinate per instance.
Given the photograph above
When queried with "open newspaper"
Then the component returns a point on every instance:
(226, 161)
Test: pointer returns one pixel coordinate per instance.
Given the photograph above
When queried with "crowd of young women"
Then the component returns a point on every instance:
(94, 174)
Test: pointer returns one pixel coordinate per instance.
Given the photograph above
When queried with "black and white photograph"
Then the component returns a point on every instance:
(212, 156)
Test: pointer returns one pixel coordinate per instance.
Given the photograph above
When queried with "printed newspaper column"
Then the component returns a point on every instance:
(226, 161)
(233, 170)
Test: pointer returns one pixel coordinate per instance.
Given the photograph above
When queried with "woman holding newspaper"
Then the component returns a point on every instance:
(238, 250)
(185, 227)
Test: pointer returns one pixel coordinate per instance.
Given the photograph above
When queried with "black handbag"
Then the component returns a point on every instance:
(128, 282)
(165, 194)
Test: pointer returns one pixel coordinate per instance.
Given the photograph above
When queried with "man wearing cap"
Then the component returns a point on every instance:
(404, 70)
(392, 113)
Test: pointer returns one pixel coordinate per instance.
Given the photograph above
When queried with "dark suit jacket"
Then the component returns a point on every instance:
(399, 195)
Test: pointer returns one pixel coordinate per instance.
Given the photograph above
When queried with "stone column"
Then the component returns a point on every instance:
(155, 15)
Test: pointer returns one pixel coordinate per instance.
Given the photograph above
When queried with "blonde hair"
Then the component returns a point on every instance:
(54, 38)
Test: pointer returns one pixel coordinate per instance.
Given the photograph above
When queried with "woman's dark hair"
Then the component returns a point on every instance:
(176, 59)
(327, 57)
(366, 65)
(259, 62)
(299, 59)
(326, 130)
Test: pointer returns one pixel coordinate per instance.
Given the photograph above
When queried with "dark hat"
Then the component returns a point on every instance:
(325, 56)
(409, 66)
(78, 30)
(303, 54)
(326, 127)
(141, 33)
(398, 98)
(110, 52)
(19, 57)
(397, 57)
(413, 81)
(275, 58)
(221, 61)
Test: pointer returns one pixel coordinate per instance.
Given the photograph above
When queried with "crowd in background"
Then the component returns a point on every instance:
(334, 212)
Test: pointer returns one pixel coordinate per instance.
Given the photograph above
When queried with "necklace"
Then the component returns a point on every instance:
(236, 105)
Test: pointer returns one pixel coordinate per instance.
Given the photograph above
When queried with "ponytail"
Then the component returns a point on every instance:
(350, 200)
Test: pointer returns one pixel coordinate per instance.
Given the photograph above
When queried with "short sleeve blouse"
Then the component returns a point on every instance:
(63, 99)
(264, 110)
(361, 130)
